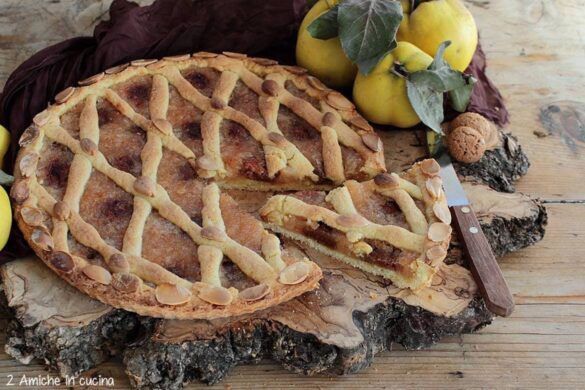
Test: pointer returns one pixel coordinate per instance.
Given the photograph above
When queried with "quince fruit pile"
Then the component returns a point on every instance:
(381, 94)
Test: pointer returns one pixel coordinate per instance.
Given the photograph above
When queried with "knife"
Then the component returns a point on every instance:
(484, 267)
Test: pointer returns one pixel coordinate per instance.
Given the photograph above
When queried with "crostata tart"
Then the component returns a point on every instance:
(120, 187)
(394, 226)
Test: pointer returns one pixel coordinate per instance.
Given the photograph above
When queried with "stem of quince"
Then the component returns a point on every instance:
(399, 70)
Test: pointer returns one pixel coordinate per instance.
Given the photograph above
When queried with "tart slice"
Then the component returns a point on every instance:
(396, 226)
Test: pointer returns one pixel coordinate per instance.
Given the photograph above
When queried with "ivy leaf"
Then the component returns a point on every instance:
(459, 97)
(325, 26)
(367, 29)
(425, 99)
(5, 179)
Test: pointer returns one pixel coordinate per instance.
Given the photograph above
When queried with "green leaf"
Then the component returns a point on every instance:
(367, 29)
(459, 97)
(5, 179)
(451, 78)
(426, 101)
(325, 26)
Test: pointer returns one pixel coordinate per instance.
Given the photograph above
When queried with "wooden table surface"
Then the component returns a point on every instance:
(536, 54)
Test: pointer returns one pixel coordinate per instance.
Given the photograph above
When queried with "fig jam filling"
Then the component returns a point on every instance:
(243, 99)
(136, 92)
(306, 138)
(106, 207)
(203, 79)
(167, 245)
(53, 168)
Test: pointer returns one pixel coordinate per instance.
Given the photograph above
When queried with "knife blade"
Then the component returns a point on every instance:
(483, 264)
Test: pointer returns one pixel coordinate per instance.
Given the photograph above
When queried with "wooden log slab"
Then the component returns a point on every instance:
(54, 322)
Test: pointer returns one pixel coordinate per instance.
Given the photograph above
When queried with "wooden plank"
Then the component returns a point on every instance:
(535, 56)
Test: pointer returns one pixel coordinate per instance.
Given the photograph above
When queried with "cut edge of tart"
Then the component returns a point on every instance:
(408, 252)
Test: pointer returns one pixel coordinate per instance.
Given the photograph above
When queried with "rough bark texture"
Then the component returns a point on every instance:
(68, 350)
(509, 221)
(499, 167)
(167, 366)
(55, 323)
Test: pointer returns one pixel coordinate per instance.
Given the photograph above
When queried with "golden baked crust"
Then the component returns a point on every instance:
(394, 226)
(116, 198)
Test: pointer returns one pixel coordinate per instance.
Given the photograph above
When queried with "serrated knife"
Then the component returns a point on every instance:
(483, 264)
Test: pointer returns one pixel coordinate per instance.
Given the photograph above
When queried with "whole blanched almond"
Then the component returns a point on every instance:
(337, 100)
(430, 167)
(118, 263)
(436, 253)
(97, 273)
(29, 136)
(442, 212)
(434, 187)
(64, 95)
(28, 164)
(351, 220)
(295, 273)
(216, 295)
(32, 216)
(387, 181)
(42, 239)
(372, 141)
(439, 232)
(20, 191)
(254, 293)
(171, 294)
(62, 262)
(126, 282)
(92, 79)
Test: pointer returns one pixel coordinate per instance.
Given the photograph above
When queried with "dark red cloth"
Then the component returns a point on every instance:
(264, 28)
(485, 99)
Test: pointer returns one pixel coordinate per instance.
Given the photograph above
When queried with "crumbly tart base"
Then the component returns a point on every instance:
(395, 226)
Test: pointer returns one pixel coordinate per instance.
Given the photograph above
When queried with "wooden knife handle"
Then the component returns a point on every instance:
(484, 267)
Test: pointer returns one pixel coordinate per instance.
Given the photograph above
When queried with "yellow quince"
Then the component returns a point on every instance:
(4, 143)
(381, 95)
(5, 217)
(436, 21)
(324, 59)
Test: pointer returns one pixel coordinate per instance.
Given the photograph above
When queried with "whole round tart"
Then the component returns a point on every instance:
(118, 184)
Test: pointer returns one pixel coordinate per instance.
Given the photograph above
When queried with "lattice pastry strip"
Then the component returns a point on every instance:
(423, 238)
